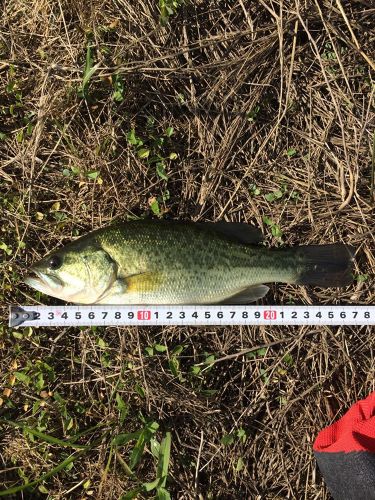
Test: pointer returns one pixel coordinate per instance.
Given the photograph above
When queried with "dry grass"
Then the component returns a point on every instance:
(263, 96)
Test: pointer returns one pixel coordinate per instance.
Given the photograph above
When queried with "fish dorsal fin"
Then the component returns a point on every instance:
(235, 231)
(247, 295)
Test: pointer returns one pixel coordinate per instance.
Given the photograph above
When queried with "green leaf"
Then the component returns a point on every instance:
(160, 170)
(19, 136)
(154, 205)
(267, 220)
(252, 115)
(195, 369)
(88, 72)
(117, 96)
(163, 494)
(257, 353)
(139, 389)
(160, 348)
(131, 494)
(122, 439)
(209, 360)
(241, 434)
(291, 152)
(152, 485)
(173, 156)
(361, 278)
(174, 366)
(227, 439)
(39, 383)
(149, 351)
(93, 175)
(158, 142)
(75, 170)
(29, 129)
(118, 85)
(89, 60)
(155, 447)
(122, 407)
(169, 132)
(209, 392)
(240, 465)
(164, 458)
(144, 438)
(22, 377)
(132, 139)
(264, 376)
(178, 350)
(101, 343)
(276, 231)
(276, 195)
(288, 359)
(254, 190)
(143, 153)
(36, 406)
(3, 246)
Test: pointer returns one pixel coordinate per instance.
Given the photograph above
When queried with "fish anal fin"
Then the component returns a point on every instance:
(247, 295)
(235, 231)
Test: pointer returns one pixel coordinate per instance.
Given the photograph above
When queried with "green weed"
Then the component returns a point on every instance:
(160, 451)
(168, 8)
(118, 88)
(88, 72)
(252, 115)
(153, 150)
(280, 193)
(239, 435)
(275, 228)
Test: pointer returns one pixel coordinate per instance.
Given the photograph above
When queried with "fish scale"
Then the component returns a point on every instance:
(217, 268)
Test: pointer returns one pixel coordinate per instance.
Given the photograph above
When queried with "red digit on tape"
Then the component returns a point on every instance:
(143, 315)
(270, 315)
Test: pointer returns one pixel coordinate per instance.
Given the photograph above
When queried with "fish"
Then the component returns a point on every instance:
(173, 262)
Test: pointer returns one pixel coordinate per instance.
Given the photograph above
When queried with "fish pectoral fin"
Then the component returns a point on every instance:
(136, 284)
(247, 295)
(142, 282)
(235, 231)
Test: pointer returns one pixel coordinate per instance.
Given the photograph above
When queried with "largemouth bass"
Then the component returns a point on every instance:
(149, 262)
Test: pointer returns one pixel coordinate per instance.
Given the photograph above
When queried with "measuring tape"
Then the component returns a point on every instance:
(106, 315)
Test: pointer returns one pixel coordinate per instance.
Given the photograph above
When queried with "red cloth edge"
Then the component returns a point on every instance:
(355, 431)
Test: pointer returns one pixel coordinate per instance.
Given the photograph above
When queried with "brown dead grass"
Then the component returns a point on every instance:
(301, 71)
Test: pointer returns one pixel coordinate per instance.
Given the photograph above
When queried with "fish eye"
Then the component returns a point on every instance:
(55, 262)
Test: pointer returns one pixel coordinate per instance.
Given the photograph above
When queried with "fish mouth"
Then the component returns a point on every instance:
(42, 282)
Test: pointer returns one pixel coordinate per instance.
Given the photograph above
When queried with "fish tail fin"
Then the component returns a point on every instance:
(326, 265)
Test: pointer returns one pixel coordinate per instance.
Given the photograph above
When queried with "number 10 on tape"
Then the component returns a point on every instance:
(190, 315)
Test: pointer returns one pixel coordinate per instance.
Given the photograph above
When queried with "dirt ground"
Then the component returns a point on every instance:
(254, 111)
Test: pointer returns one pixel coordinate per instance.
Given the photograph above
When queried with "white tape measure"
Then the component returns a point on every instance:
(97, 315)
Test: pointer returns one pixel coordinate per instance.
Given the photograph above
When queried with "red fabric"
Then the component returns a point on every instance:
(355, 431)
